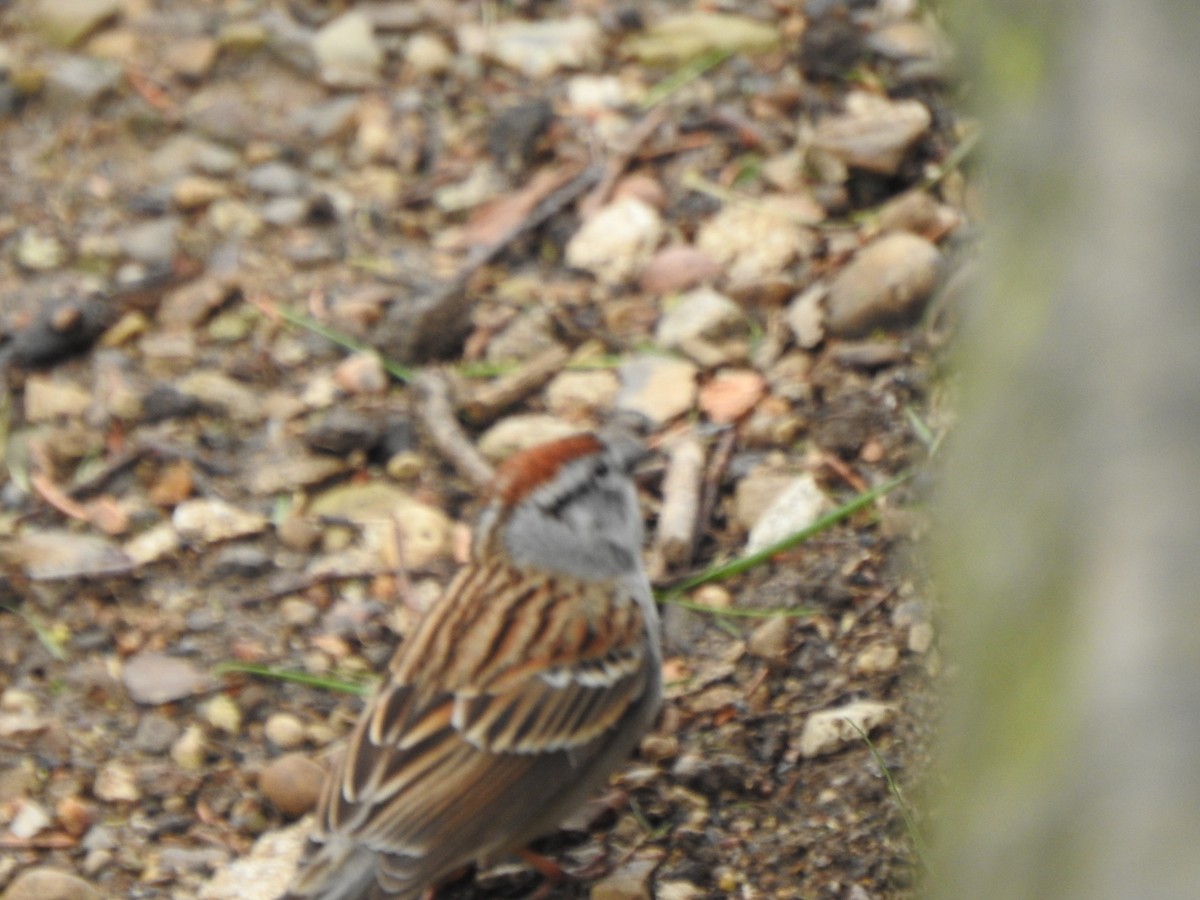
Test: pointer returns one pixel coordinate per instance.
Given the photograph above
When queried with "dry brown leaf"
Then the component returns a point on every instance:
(731, 394)
(493, 221)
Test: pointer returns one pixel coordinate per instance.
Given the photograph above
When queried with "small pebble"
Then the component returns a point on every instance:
(920, 637)
(580, 392)
(189, 752)
(713, 595)
(427, 54)
(361, 373)
(658, 387)
(887, 282)
(876, 659)
(347, 51)
(630, 881)
(155, 734)
(116, 783)
(770, 639)
(222, 713)
(284, 730)
(298, 612)
(74, 815)
(831, 729)
(678, 890)
(617, 242)
(154, 678)
(30, 819)
(292, 783)
(49, 884)
(656, 747)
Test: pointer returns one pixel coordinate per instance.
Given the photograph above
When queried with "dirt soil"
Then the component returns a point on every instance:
(269, 280)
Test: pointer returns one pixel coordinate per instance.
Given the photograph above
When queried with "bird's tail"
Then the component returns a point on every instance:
(334, 869)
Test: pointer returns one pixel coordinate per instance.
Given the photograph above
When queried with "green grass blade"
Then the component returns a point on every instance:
(740, 612)
(683, 75)
(745, 563)
(397, 371)
(362, 689)
(51, 640)
(920, 848)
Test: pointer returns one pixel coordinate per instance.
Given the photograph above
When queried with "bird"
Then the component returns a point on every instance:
(513, 699)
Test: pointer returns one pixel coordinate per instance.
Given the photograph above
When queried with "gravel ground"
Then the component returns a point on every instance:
(280, 283)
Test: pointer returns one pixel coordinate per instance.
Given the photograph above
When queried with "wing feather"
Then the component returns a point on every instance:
(493, 708)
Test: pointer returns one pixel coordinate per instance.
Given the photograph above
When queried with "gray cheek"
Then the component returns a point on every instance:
(585, 543)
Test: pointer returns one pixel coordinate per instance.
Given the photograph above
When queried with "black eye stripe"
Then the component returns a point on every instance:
(562, 501)
(587, 483)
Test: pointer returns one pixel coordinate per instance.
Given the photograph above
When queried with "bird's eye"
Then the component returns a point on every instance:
(601, 469)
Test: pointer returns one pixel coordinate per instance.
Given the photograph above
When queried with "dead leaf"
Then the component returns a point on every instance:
(731, 394)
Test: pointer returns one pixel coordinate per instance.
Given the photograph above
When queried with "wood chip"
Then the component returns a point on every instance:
(678, 519)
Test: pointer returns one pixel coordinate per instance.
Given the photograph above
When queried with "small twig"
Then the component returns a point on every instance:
(436, 411)
(6, 395)
(618, 163)
(718, 463)
(404, 588)
(550, 206)
(56, 497)
(152, 92)
(694, 181)
(127, 458)
(297, 585)
(492, 399)
(844, 472)
(678, 518)
(54, 840)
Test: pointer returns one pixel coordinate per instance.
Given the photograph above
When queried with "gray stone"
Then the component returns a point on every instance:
(153, 243)
(873, 133)
(155, 734)
(275, 178)
(74, 82)
(155, 678)
(887, 283)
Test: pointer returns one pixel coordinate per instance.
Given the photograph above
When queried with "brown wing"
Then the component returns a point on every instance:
(502, 704)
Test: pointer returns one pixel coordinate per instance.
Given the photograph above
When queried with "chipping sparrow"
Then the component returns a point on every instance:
(521, 690)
